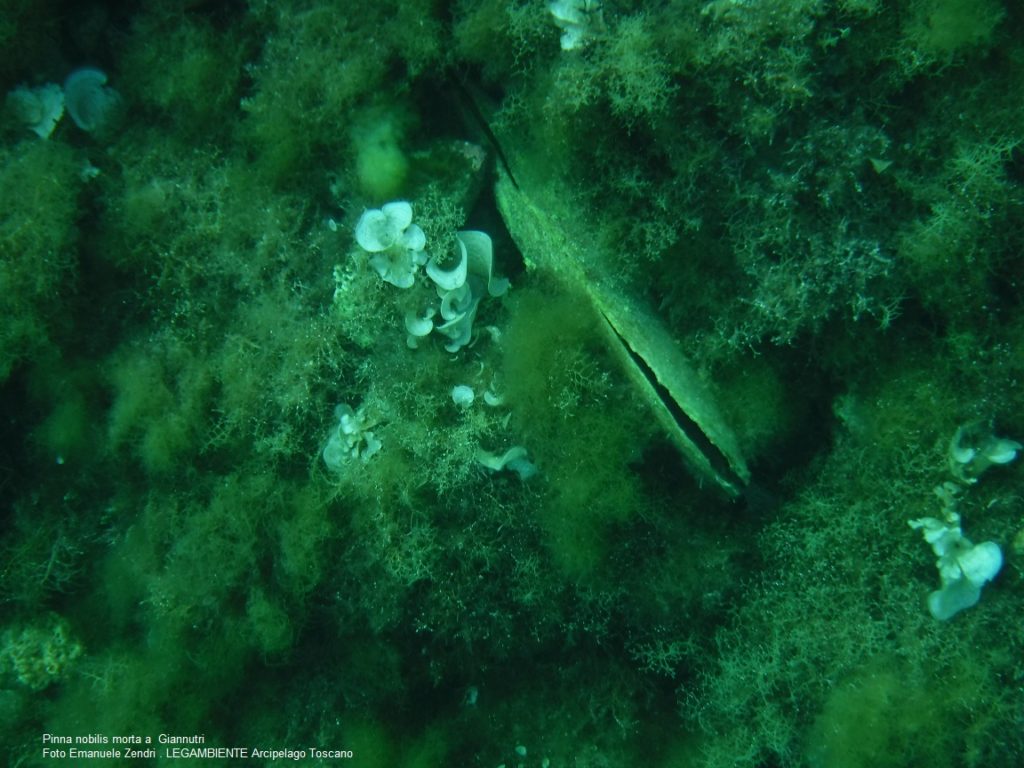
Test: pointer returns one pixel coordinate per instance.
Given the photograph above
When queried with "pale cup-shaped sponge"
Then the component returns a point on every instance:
(91, 104)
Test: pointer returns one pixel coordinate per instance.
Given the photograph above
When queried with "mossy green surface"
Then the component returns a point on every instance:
(568, 401)
(888, 715)
(39, 186)
(820, 200)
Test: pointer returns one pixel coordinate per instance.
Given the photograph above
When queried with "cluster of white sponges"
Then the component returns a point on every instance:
(577, 19)
(514, 460)
(396, 247)
(455, 286)
(350, 440)
(460, 289)
(38, 109)
(964, 567)
(394, 242)
(88, 99)
(974, 449)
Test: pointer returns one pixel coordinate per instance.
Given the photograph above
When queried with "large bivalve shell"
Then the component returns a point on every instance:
(661, 373)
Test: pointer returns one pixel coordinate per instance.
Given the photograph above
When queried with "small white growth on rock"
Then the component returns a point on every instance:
(463, 395)
(964, 567)
(395, 242)
(38, 109)
(513, 459)
(974, 448)
(462, 287)
(418, 325)
(577, 19)
(89, 101)
(449, 280)
(350, 440)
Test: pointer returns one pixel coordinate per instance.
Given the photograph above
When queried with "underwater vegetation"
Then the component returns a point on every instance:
(310, 443)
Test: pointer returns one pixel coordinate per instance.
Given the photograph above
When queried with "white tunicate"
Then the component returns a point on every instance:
(462, 395)
(89, 101)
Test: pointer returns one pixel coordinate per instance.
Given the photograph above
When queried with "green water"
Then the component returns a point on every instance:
(820, 200)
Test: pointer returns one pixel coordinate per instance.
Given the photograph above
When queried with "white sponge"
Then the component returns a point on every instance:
(964, 568)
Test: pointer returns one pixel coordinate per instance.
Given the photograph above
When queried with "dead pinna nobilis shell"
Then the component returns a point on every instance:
(662, 375)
